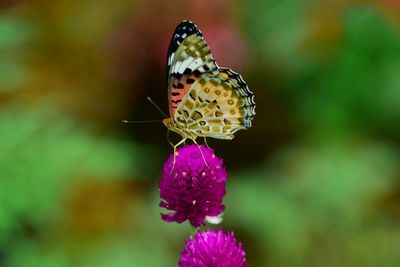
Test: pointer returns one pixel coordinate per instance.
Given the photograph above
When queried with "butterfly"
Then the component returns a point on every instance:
(205, 100)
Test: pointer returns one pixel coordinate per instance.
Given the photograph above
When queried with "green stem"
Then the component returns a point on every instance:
(194, 230)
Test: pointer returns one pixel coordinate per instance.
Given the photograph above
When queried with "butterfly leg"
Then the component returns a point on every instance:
(175, 146)
(205, 142)
(201, 152)
(169, 141)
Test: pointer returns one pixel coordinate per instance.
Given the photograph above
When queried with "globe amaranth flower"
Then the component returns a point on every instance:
(190, 188)
(213, 248)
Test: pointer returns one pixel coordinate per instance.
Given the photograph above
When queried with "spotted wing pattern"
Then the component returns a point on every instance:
(188, 58)
(217, 105)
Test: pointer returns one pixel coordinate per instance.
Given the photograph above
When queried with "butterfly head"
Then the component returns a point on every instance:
(171, 125)
(168, 123)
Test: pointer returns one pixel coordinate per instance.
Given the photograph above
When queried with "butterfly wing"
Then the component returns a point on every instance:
(217, 105)
(188, 57)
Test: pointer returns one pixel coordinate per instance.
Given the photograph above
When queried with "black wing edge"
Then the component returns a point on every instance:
(185, 27)
(243, 90)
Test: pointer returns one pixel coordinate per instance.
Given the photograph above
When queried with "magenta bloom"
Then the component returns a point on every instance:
(192, 190)
(213, 248)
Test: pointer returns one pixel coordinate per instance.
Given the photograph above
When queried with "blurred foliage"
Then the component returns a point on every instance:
(14, 36)
(320, 204)
(314, 182)
(278, 40)
(39, 163)
(358, 88)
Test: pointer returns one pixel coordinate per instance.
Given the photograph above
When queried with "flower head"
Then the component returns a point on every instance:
(191, 189)
(213, 248)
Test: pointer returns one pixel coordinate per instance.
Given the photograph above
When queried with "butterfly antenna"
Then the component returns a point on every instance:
(135, 122)
(156, 106)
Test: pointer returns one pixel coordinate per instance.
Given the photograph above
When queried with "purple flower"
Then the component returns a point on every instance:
(213, 248)
(192, 190)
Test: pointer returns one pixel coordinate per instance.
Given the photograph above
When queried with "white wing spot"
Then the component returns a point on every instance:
(171, 58)
(195, 64)
(175, 68)
(185, 64)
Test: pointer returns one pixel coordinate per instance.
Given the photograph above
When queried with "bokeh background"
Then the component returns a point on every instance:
(315, 181)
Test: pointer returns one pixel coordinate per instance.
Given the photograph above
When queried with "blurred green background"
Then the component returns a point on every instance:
(315, 181)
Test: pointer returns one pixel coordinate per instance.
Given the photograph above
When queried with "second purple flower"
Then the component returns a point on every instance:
(191, 189)
(213, 248)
